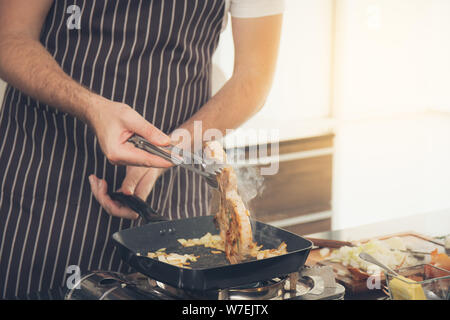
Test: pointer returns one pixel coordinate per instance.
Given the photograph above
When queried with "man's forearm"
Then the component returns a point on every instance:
(256, 42)
(238, 100)
(26, 65)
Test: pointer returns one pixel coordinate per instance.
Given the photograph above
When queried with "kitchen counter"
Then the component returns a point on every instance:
(434, 225)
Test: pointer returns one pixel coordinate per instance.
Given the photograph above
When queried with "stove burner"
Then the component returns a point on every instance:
(309, 284)
(274, 289)
(262, 290)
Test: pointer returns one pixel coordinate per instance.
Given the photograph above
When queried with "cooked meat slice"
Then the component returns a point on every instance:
(233, 217)
(239, 237)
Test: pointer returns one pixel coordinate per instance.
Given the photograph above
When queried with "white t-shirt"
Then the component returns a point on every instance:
(252, 8)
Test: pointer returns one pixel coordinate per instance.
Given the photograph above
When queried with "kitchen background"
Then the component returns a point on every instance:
(362, 101)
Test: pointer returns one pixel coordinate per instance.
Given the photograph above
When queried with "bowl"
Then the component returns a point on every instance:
(421, 282)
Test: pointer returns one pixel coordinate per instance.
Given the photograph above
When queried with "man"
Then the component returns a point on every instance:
(83, 77)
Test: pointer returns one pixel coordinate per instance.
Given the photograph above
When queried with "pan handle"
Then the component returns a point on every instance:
(325, 243)
(139, 206)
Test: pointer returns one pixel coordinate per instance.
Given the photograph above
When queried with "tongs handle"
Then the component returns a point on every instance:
(139, 206)
(173, 154)
(169, 153)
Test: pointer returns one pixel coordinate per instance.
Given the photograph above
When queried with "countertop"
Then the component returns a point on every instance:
(434, 225)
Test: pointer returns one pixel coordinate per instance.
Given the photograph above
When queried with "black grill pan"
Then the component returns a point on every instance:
(211, 271)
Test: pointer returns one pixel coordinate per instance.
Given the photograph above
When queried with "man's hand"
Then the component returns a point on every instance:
(138, 181)
(114, 123)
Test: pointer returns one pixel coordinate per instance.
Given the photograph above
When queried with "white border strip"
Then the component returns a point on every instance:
(312, 217)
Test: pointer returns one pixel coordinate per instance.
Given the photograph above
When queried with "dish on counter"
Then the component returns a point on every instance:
(421, 282)
(391, 252)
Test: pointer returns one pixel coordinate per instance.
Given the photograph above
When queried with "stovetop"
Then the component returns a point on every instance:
(307, 284)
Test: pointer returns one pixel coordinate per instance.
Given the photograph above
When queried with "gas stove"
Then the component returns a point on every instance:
(316, 283)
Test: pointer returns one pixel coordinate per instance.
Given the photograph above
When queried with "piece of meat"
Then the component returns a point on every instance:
(233, 218)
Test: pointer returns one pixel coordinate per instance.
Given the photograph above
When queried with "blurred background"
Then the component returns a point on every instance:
(376, 74)
(362, 101)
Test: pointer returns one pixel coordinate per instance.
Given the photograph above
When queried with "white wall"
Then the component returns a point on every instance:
(391, 56)
(440, 70)
(392, 71)
(390, 168)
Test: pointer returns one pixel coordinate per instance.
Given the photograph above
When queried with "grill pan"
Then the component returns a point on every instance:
(211, 271)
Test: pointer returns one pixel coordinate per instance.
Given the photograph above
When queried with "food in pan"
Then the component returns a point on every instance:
(214, 242)
(173, 258)
(268, 253)
(208, 240)
(233, 218)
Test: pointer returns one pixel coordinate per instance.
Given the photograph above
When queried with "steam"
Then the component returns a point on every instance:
(250, 183)
(250, 186)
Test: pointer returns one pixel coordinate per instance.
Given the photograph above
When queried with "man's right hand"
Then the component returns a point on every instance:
(114, 123)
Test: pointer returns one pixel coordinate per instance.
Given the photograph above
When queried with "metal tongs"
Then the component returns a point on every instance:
(182, 158)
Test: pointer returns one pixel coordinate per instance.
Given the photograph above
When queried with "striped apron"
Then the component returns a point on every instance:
(154, 55)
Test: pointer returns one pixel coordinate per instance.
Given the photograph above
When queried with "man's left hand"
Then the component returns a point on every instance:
(139, 181)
